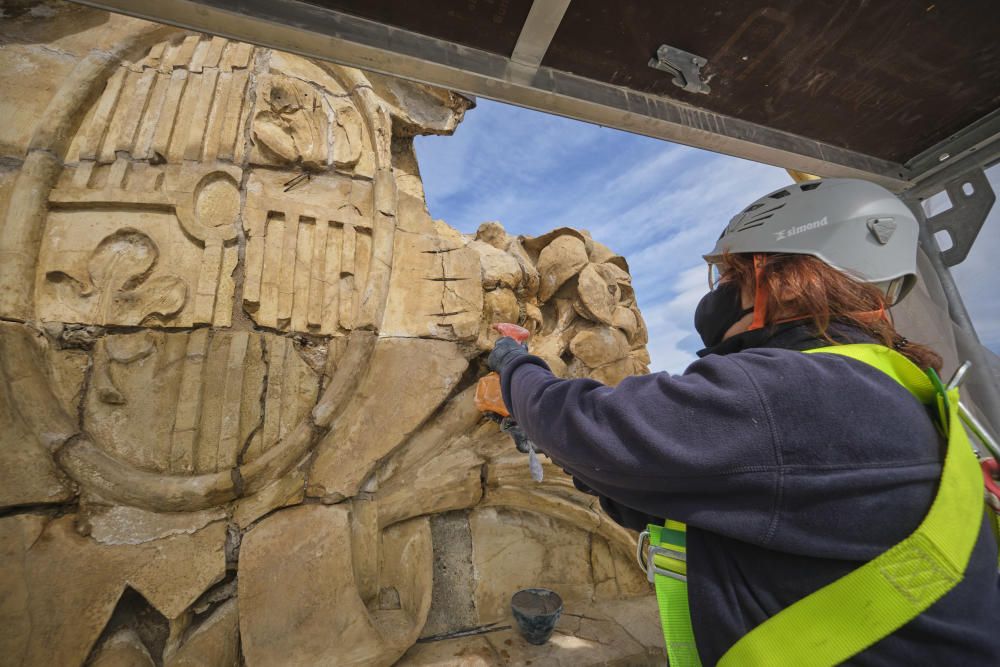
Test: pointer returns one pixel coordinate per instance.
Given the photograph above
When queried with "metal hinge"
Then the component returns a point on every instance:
(686, 68)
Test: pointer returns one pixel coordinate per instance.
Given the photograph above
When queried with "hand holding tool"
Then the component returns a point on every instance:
(489, 397)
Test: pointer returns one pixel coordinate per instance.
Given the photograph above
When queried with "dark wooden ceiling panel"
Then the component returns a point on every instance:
(889, 78)
(490, 25)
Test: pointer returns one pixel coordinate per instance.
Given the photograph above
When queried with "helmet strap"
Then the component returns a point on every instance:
(874, 316)
(761, 294)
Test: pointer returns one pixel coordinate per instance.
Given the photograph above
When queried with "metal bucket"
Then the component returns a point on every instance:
(536, 611)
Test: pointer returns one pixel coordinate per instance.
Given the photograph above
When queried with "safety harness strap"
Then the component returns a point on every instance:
(852, 613)
(849, 615)
(668, 568)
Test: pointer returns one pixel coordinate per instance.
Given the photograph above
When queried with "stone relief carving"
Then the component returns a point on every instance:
(237, 364)
(308, 252)
(575, 296)
(116, 288)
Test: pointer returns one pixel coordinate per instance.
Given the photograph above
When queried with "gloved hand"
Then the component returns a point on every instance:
(504, 351)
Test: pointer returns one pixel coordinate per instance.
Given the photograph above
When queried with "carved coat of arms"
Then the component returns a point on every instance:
(238, 354)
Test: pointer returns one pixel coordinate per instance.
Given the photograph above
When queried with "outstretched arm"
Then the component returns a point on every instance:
(696, 447)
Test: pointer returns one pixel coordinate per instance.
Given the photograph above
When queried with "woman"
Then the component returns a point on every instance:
(790, 470)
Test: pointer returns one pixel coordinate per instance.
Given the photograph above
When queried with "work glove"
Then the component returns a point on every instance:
(505, 351)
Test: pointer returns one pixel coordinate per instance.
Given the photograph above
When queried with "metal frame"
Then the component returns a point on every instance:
(338, 37)
(964, 220)
(977, 144)
(538, 30)
(989, 398)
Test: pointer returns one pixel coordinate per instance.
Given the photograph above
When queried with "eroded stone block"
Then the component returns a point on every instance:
(68, 584)
(214, 642)
(515, 550)
(407, 380)
(299, 603)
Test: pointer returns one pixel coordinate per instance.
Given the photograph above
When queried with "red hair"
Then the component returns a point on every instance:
(804, 287)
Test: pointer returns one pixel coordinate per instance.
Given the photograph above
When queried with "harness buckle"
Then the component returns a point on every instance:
(648, 563)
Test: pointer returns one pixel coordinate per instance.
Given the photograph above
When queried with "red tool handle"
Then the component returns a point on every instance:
(991, 470)
(519, 334)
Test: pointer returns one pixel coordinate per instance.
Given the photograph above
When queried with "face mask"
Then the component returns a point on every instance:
(717, 311)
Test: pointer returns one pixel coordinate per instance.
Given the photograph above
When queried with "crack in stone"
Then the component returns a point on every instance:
(55, 509)
(88, 374)
(449, 288)
(237, 477)
(259, 426)
(239, 314)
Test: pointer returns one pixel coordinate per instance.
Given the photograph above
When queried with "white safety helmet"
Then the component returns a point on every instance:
(855, 226)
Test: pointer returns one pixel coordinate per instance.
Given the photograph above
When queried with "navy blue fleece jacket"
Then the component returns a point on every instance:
(789, 469)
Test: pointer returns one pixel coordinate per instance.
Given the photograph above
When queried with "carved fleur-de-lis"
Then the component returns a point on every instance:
(118, 288)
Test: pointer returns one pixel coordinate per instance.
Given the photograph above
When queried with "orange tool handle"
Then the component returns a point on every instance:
(489, 398)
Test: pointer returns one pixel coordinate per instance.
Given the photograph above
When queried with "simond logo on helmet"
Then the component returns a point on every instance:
(792, 231)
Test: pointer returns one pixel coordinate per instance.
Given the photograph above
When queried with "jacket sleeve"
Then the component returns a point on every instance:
(623, 516)
(698, 447)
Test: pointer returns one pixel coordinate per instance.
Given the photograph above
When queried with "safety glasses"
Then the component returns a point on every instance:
(715, 275)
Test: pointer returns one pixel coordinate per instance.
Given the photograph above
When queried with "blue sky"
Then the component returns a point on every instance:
(661, 205)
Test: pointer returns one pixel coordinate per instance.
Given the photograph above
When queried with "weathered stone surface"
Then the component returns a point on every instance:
(453, 606)
(123, 649)
(8, 176)
(640, 617)
(32, 475)
(289, 490)
(559, 261)
(120, 524)
(37, 479)
(309, 251)
(71, 29)
(375, 425)
(23, 358)
(499, 268)
(420, 109)
(435, 290)
(69, 370)
(46, 69)
(612, 633)
(448, 481)
(214, 642)
(619, 633)
(17, 535)
(599, 293)
(299, 603)
(464, 652)
(196, 402)
(499, 305)
(616, 575)
(70, 584)
(599, 346)
(437, 469)
(515, 550)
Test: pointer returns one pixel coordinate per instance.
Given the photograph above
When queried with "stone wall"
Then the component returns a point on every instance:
(237, 360)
